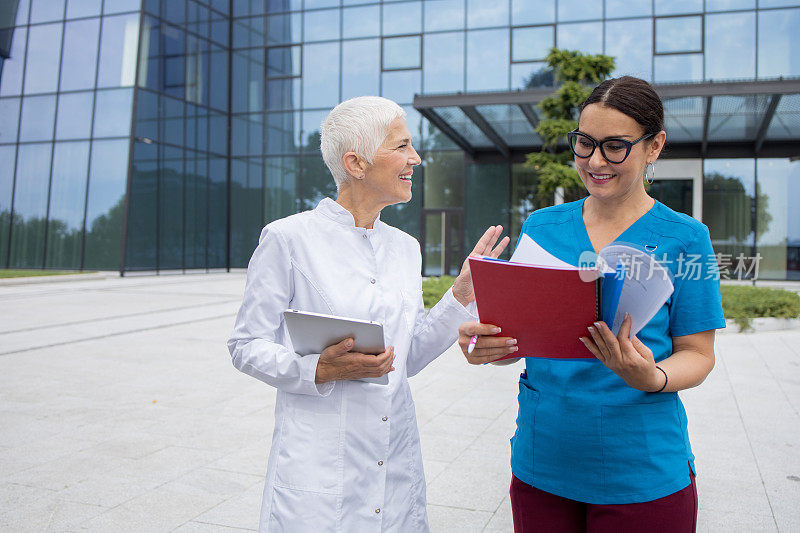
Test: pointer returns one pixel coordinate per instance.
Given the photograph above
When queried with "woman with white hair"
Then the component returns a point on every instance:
(345, 453)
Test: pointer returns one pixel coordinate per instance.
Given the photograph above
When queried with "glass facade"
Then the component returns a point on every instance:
(158, 135)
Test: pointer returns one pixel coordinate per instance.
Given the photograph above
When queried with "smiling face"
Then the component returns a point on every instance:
(607, 181)
(388, 179)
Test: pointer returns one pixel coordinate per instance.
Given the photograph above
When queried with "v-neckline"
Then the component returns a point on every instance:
(580, 226)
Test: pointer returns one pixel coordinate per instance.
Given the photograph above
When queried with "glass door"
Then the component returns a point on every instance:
(442, 246)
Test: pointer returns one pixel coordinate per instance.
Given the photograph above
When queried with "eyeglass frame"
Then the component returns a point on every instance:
(595, 143)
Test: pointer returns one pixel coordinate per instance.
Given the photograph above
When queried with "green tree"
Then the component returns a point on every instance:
(575, 73)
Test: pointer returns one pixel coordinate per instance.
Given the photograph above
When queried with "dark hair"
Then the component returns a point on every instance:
(633, 97)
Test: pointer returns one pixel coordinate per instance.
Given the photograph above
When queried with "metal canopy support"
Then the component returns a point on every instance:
(445, 128)
(530, 114)
(487, 130)
(706, 119)
(762, 130)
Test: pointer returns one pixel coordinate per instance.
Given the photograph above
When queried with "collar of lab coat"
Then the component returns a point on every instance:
(331, 209)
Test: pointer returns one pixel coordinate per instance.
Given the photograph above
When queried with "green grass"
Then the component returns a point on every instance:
(434, 288)
(742, 303)
(4, 273)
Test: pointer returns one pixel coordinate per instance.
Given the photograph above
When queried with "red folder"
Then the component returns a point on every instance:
(545, 308)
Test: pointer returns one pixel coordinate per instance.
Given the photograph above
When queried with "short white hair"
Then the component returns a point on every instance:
(357, 125)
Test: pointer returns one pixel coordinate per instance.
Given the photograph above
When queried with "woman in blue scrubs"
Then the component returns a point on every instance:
(602, 445)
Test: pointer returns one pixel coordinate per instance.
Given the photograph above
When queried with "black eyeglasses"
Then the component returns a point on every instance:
(614, 150)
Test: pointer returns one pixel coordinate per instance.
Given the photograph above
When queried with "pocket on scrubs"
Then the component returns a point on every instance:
(311, 454)
(643, 446)
(522, 441)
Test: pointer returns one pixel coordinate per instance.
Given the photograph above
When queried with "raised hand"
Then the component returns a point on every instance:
(488, 246)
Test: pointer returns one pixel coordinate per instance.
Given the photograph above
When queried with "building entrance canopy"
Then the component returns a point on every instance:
(709, 119)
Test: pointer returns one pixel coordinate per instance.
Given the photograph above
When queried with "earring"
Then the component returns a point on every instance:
(650, 173)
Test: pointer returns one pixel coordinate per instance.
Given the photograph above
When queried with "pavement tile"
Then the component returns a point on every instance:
(456, 520)
(241, 511)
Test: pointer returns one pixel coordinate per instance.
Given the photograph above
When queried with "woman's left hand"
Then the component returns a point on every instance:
(627, 357)
(462, 286)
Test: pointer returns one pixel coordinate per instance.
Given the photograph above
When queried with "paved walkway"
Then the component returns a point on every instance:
(120, 411)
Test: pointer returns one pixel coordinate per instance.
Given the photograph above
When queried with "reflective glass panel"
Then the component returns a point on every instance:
(676, 7)
(143, 208)
(79, 60)
(83, 8)
(401, 85)
(283, 130)
(278, 5)
(67, 200)
(778, 43)
(105, 204)
(777, 3)
(531, 43)
(626, 8)
(285, 93)
(121, 6)
(363, 21)
(402, 18)
(310, 136)
(321, 79)
(30, 205)
(724, 5)
(118, 51)
(284, 29)
(628, 41)
(482, 14)
(74, 115)
(680, 67)
(584, 36)
(11, 79)
(249, 32)
(218, 78)
(38, 118)
(569, 10)
(531, 75)
(486, 202)
(41, 72)
(46, 10)
(172, 118)
(313, 4)
(778, 220)
(730, 46)
(361, 65)
(248, 71)
(217, 212)
(444, 15)
(7, 157)
(487, 60)
(442, 62)
(246, 208)
(444, 179)
(171, 206)
(247, 134)
(527, 12)
(679, 34)
(316, 181)
(283, 61)
(218, 133)
(321, 25)
(112, 116)
(9, 110)
(195, 210)
(401, 52)
(280, 190)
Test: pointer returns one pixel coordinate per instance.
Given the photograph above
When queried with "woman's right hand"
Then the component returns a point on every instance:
(488, 347)
(338, 362)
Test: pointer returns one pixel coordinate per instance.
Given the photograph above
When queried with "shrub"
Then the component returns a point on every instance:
(434, 288)
(741, 303)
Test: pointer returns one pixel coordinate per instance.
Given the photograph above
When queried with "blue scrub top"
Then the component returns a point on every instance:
(582, 432)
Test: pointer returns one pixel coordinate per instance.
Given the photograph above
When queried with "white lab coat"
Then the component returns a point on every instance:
(345, 455)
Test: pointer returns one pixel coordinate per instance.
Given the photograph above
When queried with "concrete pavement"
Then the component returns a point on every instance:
(120, 411)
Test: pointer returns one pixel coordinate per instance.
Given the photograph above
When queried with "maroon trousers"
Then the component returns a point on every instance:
(537, 511)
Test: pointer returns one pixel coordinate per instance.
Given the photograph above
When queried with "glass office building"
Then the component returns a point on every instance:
(147, 135)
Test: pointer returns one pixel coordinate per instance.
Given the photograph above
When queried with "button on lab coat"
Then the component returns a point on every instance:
(345, 455)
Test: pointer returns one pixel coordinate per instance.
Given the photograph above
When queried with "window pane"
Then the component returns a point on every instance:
(143, 209)
(285, 93)
(38, 117)
(626, 8)
(679, 34)
(730, 46)
(9, 110)
(675, 7)
(11, 79)
(580, 10)
(675, 68)
(283, 61)
(527, 12)
(280, 192)
(247, 134)
(41, 72)
(444, 179)
(401, 52)
(361, 65)
(312, 4)
(118, 51)
(586, 37)
(321, 80)
(532, 43)
(402, 18)
(46, 10)
(248, 71)
(310, 135)
(724, 5)
(30, 205)
(7, 157)
(218, 76)
(728, 194)
(246, 200)
(778, 219)
(282, 133)
(249, 32)
(401, 85)
(106, 204)
(67, 200)
(482, 14)
(487, 60)
(624, 40)
(487, 194)
(80, 54)
(443, 64)
(531, 75)
(83, 8)
(112, 117)
(74, 115)
(195, 210)
(360, 21)
(286, 28)
(777, 3)
(316, 182)
(778, 43)
(444, 15)
(218, 212)
(321, 25)
(121, 6)
(171, 206)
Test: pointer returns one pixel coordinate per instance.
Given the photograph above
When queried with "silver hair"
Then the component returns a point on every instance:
(357, 125)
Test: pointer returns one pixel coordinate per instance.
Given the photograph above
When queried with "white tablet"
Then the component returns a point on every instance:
(313, 332)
